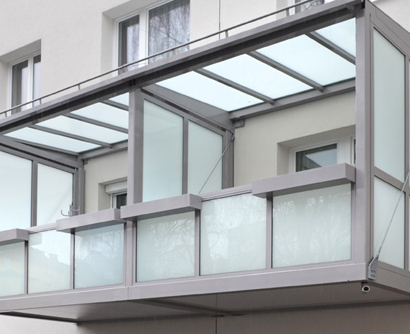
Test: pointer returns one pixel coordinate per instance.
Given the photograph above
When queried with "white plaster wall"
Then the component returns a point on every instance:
(256, 144)
(398, 10)
(100, 172)
(16, 325)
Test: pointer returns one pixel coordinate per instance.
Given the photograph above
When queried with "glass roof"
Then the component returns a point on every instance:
(303, 63)
(95, 126)
(276, 71)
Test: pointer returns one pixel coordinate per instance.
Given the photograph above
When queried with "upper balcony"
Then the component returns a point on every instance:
(170, 189)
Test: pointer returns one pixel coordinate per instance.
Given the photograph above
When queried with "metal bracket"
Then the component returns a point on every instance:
(71, 211)
(372, 268)
(239, 123)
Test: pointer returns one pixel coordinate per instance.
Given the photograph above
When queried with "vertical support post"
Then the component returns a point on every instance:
(135, 177)
(79, 188)
(227, 161)
(185, 156)
(269, 236)
(361, 219)
(34, 192)
(197, 257)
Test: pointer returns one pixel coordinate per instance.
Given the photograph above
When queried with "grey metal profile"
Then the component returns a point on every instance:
(89, 220)
(14, 235)
(162, 207)
(306, 180)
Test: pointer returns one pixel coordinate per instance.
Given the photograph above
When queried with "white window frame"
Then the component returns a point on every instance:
(30, 79)
(345, 151)
(115, 189)
(143, 31)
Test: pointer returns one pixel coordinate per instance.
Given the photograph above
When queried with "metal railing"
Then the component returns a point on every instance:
(78, 85)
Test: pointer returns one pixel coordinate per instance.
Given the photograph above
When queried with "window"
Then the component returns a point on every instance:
(305, 6)
(341, 150)
(167, 26)
(316, 157)
(25, 81)
(118, 194)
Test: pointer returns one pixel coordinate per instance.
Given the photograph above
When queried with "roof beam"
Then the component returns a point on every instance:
(296, 75)
(294, 100)
(70, 135)
(235, 85)
(97, 123)
(332, 47)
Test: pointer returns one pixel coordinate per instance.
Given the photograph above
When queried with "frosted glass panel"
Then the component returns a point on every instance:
(312, 226)
(15, 194)
(386, 199)
(165, 247)
(389, 97)
(99, 255)
(106, 113)
(163, 131)
(49, 261)
(233, 234)
(254, 74)
(51, 140)
(209, 91)
(54, 194)
(314, 61)
(342, 34)
(12, 269)
(204, 152)
(84, 129)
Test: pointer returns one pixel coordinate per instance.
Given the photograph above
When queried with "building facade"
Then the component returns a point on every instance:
(203, 166)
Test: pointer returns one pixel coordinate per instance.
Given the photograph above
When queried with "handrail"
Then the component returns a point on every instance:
(119, 68)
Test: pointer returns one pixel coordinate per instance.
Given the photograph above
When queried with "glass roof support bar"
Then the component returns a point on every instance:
(235, 85)
(294, 100)
(332, 47)
(286, 70)
(95, 122)
(69, 135)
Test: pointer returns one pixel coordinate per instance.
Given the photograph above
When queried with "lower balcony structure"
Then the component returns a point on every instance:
(265, 171)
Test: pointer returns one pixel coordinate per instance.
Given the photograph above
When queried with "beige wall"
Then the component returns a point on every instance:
(100, 172)
(262, 145)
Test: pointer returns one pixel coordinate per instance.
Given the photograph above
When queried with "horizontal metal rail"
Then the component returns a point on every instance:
(122, 67)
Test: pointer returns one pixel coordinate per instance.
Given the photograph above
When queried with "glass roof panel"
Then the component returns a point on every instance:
(105, 113)
(123, 99)
(209, 91)
(312, 60)
(255, 75)
(84, 129)
(342, 34)
(51, 140)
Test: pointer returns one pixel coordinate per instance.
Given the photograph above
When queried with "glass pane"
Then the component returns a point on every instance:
(51, 140)
(49, 261)
(15, 194)
(253, 74)
(105, 113)
(316, 157)
(12, 269)
(312, 226)
(54, 194)
(129, 41)
(342, 34)
(209, 91)
(122, 99)
(163, 131)
(165, 247)
(99, 256)
(19, 92)
(36, 77)
(84, 129)
(233, 234)
(389, 107)
(386, 198)
(314, 61)
(204, 164)
(168, 27)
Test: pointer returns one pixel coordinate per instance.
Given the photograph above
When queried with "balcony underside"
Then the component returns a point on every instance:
(207, 305)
